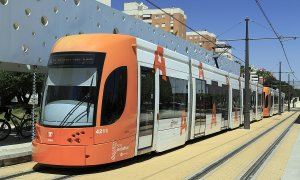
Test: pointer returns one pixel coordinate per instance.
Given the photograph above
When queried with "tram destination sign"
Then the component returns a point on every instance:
(74, 59)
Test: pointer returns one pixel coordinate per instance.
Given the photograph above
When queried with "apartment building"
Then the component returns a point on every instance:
(158, 18)
(203, 39)
(224, 49)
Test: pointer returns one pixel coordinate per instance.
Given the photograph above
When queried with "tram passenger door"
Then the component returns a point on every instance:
(200, 116)
(147, 107)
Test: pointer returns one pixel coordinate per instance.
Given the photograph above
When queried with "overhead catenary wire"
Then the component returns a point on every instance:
(262, 26)
(265, 38)
(190, 28)
(277, 35)
(229, 29)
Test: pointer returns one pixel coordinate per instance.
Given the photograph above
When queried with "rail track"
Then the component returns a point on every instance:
(260, 161)
(68, 173)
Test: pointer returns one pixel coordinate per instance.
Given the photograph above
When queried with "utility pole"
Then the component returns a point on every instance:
(247, 78)
(289, 93)
(293, 92)
(279, 88)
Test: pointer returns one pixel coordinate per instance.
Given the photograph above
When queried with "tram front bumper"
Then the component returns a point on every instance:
(85, 155)
(58, 154)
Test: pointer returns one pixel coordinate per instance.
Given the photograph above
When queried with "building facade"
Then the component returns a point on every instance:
(106, 2)
(224, 49)
(158, 18)
(203, 39)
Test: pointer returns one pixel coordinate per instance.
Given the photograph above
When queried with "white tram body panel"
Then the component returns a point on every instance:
(187, 99)
(259, 102)
(276, 102)
(253, 95)
(170, 126)
(282, 102)
(272, 93)
(216, 79)
(235, 98)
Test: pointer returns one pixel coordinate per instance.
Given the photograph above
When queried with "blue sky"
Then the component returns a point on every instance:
(218, 16)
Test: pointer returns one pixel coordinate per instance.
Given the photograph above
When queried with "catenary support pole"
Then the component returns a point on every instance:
(247, 78)
(293, 92)
(279, 112)
(289, 94)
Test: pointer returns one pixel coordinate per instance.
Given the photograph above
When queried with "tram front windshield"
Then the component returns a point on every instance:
(70, 94)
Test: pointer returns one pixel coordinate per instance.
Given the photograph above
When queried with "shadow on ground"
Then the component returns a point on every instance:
(14, 139)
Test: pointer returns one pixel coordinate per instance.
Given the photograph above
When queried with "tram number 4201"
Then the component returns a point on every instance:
(101, 131)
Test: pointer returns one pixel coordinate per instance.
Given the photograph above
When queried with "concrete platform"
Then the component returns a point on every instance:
(15, 154)
(235, 167)
(284, 163)
(14, 150)
(292, 170)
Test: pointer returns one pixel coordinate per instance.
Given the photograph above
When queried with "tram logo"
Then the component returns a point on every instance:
(118, 149)
(159, 62)
(201, 73)
(50, 134)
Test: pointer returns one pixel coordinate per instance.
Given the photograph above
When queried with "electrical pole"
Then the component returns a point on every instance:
(293, 92)
(289, 94)
(247, 78)
(279, 112)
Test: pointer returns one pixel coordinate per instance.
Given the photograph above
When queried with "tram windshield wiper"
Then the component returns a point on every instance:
(87, 111)
(69, 114)
(89, 101)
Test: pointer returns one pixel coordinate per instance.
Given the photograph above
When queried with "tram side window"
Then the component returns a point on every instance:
(114, 96)
(267, 101)
(224, 103)
(259, 100)
(217, 95)
(173, 97)
(200, 97)
(147, 95)
(253, 100)
(235, 99)
(272, 99)
(210, 98)
(180, 97)
(276, 100)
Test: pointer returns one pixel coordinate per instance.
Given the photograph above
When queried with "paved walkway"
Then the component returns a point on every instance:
(14, 149)
(292, 170)
(14, 154)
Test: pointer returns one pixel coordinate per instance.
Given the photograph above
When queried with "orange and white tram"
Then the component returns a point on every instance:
(112, 97)
(271, 102)
(259, 102)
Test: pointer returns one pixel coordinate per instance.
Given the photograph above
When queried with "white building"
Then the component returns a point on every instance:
(224, 49)
(106, 2)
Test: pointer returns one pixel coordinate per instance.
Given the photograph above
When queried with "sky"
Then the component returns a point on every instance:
(226, 19)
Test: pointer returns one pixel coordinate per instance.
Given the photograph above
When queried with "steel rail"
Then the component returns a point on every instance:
(219, 162)
(256, 166)
(18, 175)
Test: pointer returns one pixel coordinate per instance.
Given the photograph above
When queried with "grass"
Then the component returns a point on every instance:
(19, 111)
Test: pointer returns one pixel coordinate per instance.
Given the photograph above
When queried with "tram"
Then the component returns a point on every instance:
(271, 102)
(111, 97)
